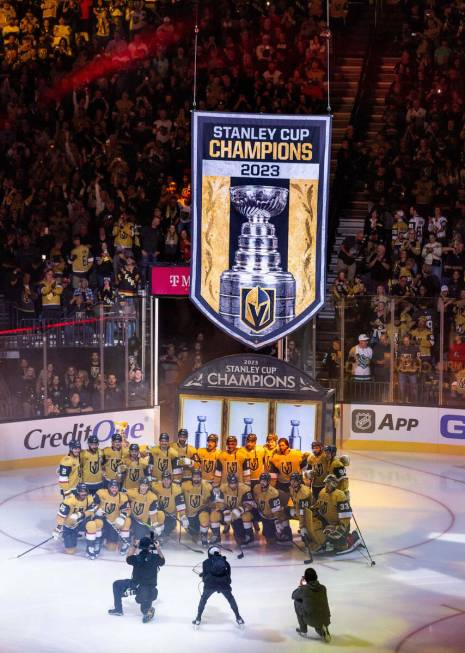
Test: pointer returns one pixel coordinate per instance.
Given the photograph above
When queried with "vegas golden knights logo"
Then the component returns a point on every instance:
(114, 464)
(323, 508)
(163, 502)
(194, 501)
(208, 466)
(109, 508)
(138, 508)
(162, 464)
(232, 468)
(94, 467)
(254, 464)
(286, 468)
(232, 502)
(134, 474)
(261, 505)
(258, 307)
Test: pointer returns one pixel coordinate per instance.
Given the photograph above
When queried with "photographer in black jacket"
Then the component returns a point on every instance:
(144, 579)
(216, 576)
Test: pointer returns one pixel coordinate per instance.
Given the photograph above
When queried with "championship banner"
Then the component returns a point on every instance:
(260, 192)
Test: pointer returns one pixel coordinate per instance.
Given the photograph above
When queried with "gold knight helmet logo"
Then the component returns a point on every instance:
(258, 307)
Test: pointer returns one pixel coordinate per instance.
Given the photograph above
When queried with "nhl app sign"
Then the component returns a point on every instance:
(260, 188)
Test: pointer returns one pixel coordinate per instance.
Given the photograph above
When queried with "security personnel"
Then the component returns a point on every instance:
(144, 579)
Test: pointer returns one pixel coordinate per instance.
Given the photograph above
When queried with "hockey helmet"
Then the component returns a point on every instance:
(331, 480)
(164, 437)
(113, 485)
(134, 447)
(232, 479)
(295, 477)
(231, 439)
(316, 444)
(183, 434)
(81, 488)
(331, 450)
(92, 439)
(144, 481)
(74, 444)
(116, 437)
(196, 472)
(212, 437)
(251, 437)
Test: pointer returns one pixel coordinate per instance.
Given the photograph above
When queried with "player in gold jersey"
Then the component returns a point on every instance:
(164, 458)
(331, 523)
(69, 469)
(283, 463)
(186, 452)
(76, 515)
(205, 458)
(302, 499)
(270, 448)
(133, 468)
(232, 504)
(171, 503)
(112, 507)
(255, 456)
(92, 465)
(197, 494)
(336, 466)
(271, 510)
(144, 511)
(317, 468)
(232, 461)
(113, 458)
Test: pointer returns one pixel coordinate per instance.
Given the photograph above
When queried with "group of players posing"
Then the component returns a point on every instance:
(119, 494)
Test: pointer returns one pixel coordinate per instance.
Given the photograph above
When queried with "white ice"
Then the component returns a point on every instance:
(412, 514)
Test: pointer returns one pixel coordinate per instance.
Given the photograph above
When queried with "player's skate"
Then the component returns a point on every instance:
(204, 541)
(124, 547)
(90, 553)
(249, 537)
(353, 542)
(196, 623)
(240, 622)
(148, 616)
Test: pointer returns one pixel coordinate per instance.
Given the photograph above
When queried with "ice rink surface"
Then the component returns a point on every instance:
(410, 508)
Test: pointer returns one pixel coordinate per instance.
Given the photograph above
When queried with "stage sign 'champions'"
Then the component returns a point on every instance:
(259, 221)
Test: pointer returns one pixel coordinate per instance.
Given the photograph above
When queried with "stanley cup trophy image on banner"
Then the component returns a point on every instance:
(259, 221)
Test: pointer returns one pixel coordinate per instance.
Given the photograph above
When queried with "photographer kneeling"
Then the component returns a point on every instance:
(144, 579)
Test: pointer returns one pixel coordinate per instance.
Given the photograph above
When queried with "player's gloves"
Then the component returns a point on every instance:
(75, 517)
(184, 522)
(57, 533)
(227, 516)
(292, 512)
(158, 530)
(304, 532)
(122, 469)
(99, 512)
(308, 474)
(187, 462)
(119, 521)
(236, 513)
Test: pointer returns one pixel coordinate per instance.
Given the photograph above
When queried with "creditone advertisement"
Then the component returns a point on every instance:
(404, 424)
(42, 438)
(170, 280)
(259, 216)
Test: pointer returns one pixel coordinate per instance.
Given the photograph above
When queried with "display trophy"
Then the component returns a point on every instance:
(201, 432)
(295, 441)
(248, 421)
(256, 293)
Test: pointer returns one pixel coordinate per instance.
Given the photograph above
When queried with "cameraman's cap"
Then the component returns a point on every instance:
(145, 543)
(363, 336)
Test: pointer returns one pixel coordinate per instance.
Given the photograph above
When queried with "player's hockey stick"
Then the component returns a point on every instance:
(370, 559)
(35, 547)
(302, 550)
(183, 543)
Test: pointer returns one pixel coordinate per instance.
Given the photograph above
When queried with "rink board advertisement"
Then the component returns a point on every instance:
(31, 442)
(259, 215)
(376, 424)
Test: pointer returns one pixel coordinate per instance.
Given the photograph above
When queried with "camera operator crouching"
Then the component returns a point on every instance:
(144, 579)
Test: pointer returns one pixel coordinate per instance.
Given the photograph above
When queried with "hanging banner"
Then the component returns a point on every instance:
(260, 191)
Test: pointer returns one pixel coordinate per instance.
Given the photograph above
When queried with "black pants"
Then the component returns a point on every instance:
(303, 625)
(145, 595)
(228, 595)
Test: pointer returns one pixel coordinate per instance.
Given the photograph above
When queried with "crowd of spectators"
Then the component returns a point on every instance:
(95, 172)
(412, 246)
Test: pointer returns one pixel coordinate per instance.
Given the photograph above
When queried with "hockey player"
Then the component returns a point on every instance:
(255, 456)
(92, 465)
(197, 494)
(283, 463)
(69, 469)
(231, 461)
(133, 468)
(76, 515)
(164, 458)
(171, 504)
(270, 448)
(233, 504)
(185, 452)
(144, 511)
(331, 520)
(302, 499)
(112, 507)
(113, 458)
(336, 466)
(317, 468)
(206, 458)
(271, 511)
